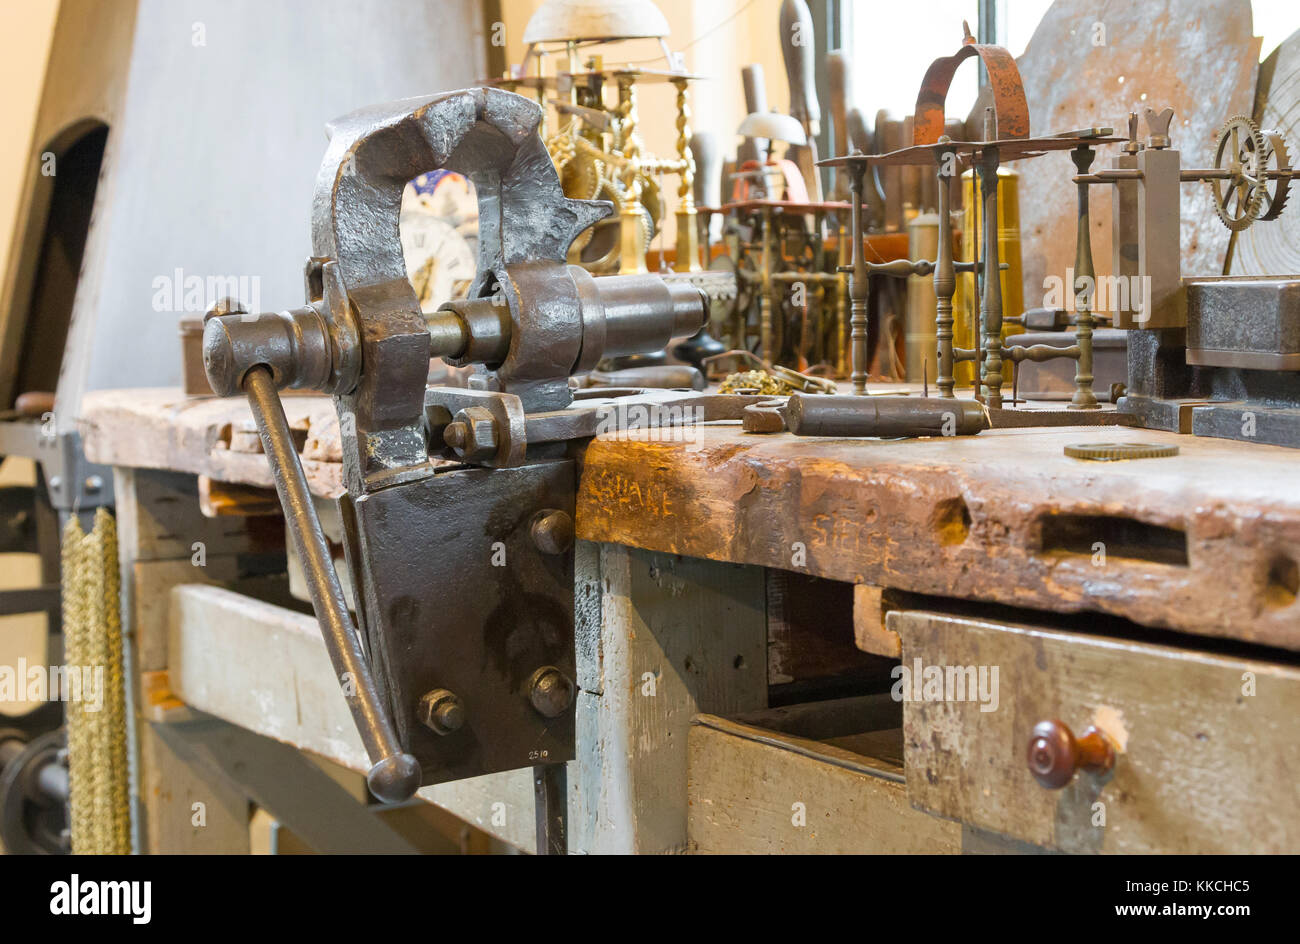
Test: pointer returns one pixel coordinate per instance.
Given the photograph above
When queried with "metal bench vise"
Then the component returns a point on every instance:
(458, 518)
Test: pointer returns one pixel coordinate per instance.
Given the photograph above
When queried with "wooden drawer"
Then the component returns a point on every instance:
(824, 777)
(1206, 746)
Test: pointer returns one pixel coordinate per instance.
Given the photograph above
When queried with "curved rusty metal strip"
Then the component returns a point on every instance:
(486, 134)
(1009, 105)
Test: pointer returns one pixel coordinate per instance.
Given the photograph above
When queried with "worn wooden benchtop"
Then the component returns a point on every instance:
(1205, 542)
(162, 428)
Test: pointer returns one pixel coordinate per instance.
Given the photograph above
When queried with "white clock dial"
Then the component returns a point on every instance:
(439, 233)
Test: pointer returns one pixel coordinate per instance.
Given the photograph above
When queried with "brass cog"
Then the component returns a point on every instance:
(1275, 193)
(1115, 451)
(1241, 151)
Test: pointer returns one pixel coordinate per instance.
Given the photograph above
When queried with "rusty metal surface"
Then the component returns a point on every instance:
(1273, 247)
(1198, 56)
(1009, 149)
(789, 206)
(490, 136)
(1008, 92)
(439, 620)
(530, 320)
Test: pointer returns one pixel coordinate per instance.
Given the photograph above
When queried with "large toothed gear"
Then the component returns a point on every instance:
(1242, 151)
(1276, 190)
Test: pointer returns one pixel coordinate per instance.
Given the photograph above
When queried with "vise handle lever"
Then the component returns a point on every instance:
(394, 775)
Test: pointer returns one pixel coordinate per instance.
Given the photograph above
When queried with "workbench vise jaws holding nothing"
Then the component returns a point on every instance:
(458, 517)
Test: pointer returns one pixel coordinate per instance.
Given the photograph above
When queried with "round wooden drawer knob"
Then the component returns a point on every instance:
(1055, 753)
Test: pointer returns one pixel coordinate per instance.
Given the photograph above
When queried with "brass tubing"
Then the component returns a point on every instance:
(395, 775)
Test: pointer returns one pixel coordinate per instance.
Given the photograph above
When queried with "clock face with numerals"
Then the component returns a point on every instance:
(439, 233)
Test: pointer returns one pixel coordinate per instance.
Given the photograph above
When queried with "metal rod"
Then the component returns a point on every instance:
(834, 415)
(977, 285)
(395, 775)
(550, 791)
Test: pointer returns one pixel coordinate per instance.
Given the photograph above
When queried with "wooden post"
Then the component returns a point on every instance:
(660, 637)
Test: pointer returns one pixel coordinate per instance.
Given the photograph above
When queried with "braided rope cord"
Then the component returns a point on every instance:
(99, 801)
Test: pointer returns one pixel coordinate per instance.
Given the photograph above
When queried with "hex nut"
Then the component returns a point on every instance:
(441, 711)
(480, 436)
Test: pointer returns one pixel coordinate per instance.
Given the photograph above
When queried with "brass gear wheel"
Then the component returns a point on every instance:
(1114, 451)
(1276, 190)
(1241, 150)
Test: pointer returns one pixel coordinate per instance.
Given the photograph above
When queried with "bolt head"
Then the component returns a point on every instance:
(454, 435)
(552, 531)
(550, 691)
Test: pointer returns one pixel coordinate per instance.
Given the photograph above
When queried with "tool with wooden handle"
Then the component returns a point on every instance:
(797, 49)
(861, 138)
(707, 184)
(837, 69)
(753, 149)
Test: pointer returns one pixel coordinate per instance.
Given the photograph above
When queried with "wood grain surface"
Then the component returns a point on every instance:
(1206, 754)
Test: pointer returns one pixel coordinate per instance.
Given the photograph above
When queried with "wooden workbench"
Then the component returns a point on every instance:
(1003, 517)
(682, 540)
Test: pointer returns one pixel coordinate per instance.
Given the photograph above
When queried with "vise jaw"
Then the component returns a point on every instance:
(463, 663)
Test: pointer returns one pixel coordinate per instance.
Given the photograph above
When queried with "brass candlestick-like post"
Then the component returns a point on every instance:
(945, 279)
(1085, 281)
(765, 289)
(631, 246)
(688, 231)
(844, 253)
(858, 286)
(991, 302)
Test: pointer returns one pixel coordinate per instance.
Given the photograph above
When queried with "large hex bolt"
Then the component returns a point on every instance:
(550, 691)
(552, 531)
(473, 434)
(441, 711)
